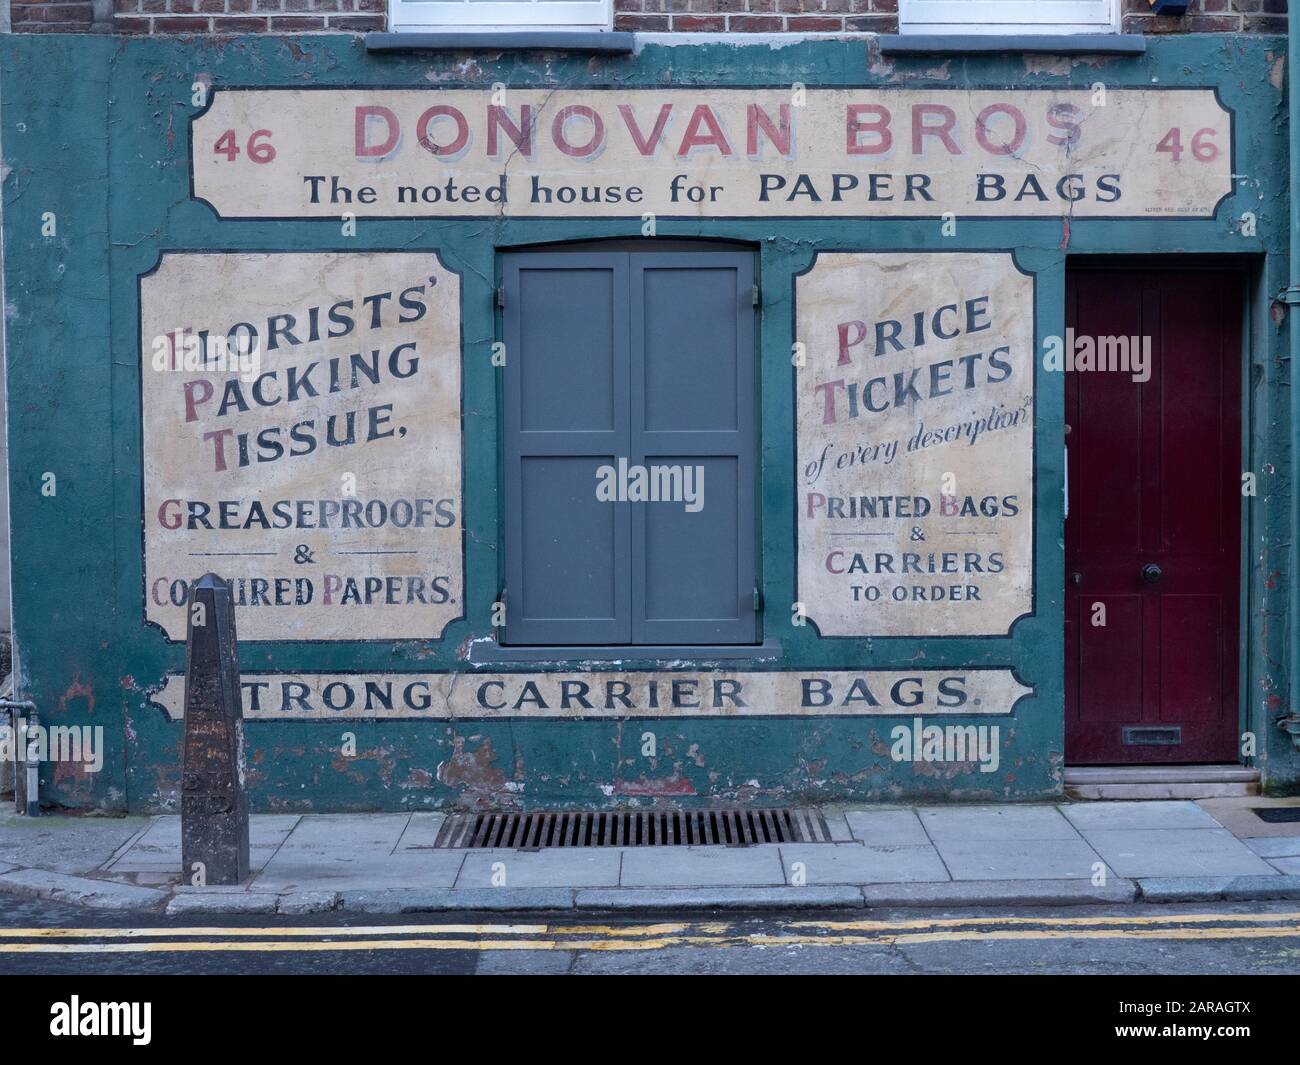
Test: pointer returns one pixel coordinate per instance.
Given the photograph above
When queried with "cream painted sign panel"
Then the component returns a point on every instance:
(915, 437)
(880, 693)
(712, 153)
(302, 438)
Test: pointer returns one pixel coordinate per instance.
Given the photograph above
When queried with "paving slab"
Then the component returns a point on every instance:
(1290, 865)
(754, 898)
(421, 832)
(345, 832)
(80, 890)
(887, 828)
(222, 902)
(1274, 846)
(703, 866)
(1001, 893)
(566, 867)
(1213, 888)
(1177, 852)
(1238, 815)
(854, 863)
(1019, 859)
(359, 869)
(426, 901)
(996, 823)
(74, 845)
(837, 825)
(1137, 815)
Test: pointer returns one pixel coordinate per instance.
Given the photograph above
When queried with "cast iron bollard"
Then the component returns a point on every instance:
(214, 807)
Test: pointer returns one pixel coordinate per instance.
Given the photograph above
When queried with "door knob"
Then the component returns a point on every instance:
(1151, 573)
(1076, 578)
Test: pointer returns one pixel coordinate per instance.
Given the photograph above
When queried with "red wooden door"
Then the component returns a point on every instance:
(1153, 533)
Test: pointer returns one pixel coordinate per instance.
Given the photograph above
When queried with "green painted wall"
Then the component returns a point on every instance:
(95, 130)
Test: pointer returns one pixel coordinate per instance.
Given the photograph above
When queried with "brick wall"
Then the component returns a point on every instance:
(649, 16)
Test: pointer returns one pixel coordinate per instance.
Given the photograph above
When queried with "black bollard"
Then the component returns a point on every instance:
(214, 807)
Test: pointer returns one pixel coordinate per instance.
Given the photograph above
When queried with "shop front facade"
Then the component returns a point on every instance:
(658, 418)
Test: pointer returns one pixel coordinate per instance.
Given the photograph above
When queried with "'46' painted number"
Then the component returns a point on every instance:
(1203, 147)
(259, 147)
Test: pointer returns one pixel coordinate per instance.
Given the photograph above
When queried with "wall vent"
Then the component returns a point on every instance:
(633, 828)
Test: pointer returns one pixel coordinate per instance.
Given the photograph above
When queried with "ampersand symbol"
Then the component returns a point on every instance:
(917, 534)
(302, 553)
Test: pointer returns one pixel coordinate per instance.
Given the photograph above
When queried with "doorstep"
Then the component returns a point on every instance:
(1085, 783)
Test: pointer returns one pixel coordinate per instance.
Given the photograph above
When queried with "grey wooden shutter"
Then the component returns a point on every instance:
(566, 414)
(647, 356)
(693, 406)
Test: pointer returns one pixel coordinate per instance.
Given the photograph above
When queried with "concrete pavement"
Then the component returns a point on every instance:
(960, 855)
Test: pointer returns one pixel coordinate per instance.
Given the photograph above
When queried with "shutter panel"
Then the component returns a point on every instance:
(693, 399)
(565, 327)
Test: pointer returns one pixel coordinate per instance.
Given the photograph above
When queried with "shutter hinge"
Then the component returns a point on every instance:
(758, 599)
(756, 296)
(501, 296)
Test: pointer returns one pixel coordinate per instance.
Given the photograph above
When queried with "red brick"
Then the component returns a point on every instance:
(871, 24)
(63, 14)
(641, 23)
(885, 6)
(230, 25)
(754, 24)
(357, 23)
(212, 7)
(132, 25)
(125, 7)
(370, 5)
(814, 24)
(291, 23)
(700, 23)
(180, 24)
(627, 5)
(1265, 24)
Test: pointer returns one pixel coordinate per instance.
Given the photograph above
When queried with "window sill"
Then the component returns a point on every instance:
(978, 43)
(489, 652)
(501, 40)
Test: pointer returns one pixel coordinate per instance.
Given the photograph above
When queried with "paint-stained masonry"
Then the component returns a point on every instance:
(364, 527)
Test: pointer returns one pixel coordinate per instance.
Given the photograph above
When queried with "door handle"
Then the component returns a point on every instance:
(1076, 578)
(1151, 573)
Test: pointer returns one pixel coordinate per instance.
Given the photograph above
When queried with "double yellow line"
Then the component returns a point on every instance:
(632, 937)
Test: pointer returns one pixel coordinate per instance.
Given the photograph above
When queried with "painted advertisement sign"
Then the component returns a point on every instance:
(301, 437)
(915, 443)
(712, 153)
(960, 691)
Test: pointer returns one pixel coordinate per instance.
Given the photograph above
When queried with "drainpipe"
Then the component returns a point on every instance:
(1291, 723)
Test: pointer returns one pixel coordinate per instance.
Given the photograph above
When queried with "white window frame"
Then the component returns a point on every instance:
(483, 16)
(1009, 16)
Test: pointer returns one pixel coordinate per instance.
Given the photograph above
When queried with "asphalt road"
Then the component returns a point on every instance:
(1229, 938)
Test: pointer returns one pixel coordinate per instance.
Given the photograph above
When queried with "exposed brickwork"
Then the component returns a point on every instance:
(646, 16)
(230, 16)
(1209, 16)
(757, 16)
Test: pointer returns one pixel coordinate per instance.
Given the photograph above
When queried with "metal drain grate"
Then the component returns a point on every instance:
(1277, 815)
(633, 828)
